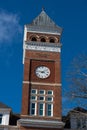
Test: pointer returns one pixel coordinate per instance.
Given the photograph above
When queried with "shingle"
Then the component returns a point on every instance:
(45, 23)
(2, 105)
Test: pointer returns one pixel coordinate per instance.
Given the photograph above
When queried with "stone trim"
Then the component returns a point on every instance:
(41, 47)
(38, 83)
(40, 123)
(44, 32)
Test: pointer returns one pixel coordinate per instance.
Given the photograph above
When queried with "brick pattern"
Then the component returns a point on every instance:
(33, 128)
(33, 59)
(51, 60)
(56, 103)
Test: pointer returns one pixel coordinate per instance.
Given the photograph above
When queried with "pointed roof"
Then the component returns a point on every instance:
(43, 20)
(80, 109)
(2, 105)
(44, 23)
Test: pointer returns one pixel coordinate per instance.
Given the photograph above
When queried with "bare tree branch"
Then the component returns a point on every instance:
(79, 96)
(77, 78)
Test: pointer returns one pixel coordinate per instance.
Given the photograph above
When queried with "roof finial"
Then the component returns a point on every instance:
(42, 8)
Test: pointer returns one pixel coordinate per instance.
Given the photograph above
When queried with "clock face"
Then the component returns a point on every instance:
(42, 72)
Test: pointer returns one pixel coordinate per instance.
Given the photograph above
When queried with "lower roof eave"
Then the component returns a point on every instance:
(11, 127)
(40, 123)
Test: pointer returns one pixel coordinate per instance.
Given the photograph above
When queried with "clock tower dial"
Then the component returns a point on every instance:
(42, 72)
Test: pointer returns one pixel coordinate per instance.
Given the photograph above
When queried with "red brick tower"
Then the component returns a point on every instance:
(41, 100)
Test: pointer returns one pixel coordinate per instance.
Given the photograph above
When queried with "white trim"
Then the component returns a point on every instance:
(50, 98)
(42, 93)
(26, 82)
(50, 91)
(5, 119)
(25, 33)
(35, 109)
(23, 55)
(5, 115)
(24, 39)
(41, 123)
(33, 99)
(42, 48)
(42, 109)
(43, 32)
(35, 92)
(50, 110)
(41, 100)
(38, 83)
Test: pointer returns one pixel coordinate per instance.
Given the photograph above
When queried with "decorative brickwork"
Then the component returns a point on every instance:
(41, 99)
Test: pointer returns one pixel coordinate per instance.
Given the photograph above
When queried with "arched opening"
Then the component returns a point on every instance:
(33, 39)
(52, 40)
(43, 40)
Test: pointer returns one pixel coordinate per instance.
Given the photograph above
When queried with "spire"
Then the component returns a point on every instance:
(45, 23)
(42, 8)
(43, 20)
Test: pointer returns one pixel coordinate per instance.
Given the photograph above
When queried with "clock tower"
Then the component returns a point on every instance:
(41, 99)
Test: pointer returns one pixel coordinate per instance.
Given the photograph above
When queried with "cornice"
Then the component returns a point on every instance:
(40, 123)
(38, 46)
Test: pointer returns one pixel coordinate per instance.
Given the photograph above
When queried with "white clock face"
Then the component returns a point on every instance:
(42, 72)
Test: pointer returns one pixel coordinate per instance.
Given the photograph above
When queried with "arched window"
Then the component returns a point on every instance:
(52, 40)
(33, 39)
(43, 40)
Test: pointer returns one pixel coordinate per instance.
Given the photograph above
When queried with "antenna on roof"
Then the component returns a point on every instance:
(42, 8)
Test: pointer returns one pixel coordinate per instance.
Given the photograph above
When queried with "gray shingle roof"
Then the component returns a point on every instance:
(43, 20)
(3, 105)
(44, 23)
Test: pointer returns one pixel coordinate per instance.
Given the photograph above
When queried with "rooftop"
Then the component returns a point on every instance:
(44, 23)
(2, 105)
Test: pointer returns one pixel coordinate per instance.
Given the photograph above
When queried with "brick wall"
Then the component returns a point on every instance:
(33, 128)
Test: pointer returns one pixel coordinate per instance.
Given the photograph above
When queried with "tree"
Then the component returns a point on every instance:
(77, 77)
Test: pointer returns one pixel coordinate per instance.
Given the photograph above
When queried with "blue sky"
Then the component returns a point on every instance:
(71, 15)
